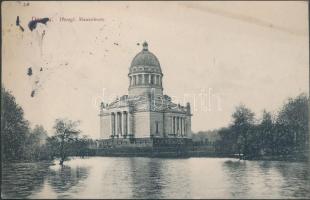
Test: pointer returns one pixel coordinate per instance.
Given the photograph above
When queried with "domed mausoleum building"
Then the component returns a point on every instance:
(145, 112)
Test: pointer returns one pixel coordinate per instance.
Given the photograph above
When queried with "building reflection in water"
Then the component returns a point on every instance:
(146, 177)
(154, 178)
(159, 178)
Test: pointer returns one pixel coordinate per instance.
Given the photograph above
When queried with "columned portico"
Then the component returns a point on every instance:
(121, 123)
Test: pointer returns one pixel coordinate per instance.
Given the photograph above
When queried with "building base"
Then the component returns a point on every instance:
(153, 147)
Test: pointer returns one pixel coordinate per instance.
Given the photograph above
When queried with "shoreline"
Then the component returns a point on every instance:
(166, 156)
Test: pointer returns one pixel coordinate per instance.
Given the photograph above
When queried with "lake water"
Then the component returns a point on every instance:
(138, 177)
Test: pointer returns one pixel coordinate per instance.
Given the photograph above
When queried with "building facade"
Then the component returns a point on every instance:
(145, 112)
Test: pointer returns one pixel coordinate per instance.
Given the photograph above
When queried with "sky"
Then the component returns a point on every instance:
(215, 55)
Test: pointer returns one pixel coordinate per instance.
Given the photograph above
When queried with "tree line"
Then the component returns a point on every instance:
(19, 142)
(281, 135)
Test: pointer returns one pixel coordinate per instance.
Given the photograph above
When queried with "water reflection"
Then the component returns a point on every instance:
(237, 177)
(20, 180)
(267, 179)
(155, 178)
(160, 178)
(146, 176)
(63, 178)
(296, 178)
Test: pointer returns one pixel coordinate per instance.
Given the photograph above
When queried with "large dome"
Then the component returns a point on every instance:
(145, 58)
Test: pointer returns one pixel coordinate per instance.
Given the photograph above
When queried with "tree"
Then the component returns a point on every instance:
(243, 121)
(65, 133)
(266, 137)
(286, 136)
(14, 128)
(35, 148)
(80, 147)
(227, 143)
(40, 134)
(294, 117)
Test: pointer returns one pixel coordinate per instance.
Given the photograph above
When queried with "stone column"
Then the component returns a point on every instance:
(134, 80)
(130, 124)
(150, 78)
(124, 123)
(123, 120)
(185, 127)
(143, 79)
(112, 124)
(173, 125)
(121, 123)
(181, 126)
(116, 123)
(146, 77)
(177, 125)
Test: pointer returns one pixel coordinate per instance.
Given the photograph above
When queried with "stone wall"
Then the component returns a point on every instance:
(168, 124)
(141, 125)
(144, 90)
(143, 147)
(188, 127)
(157, 117)
(105, 127)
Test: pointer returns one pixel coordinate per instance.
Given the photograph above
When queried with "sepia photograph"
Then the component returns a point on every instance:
(155, 100)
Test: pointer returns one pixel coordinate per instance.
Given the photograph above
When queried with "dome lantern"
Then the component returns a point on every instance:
(145, 46)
